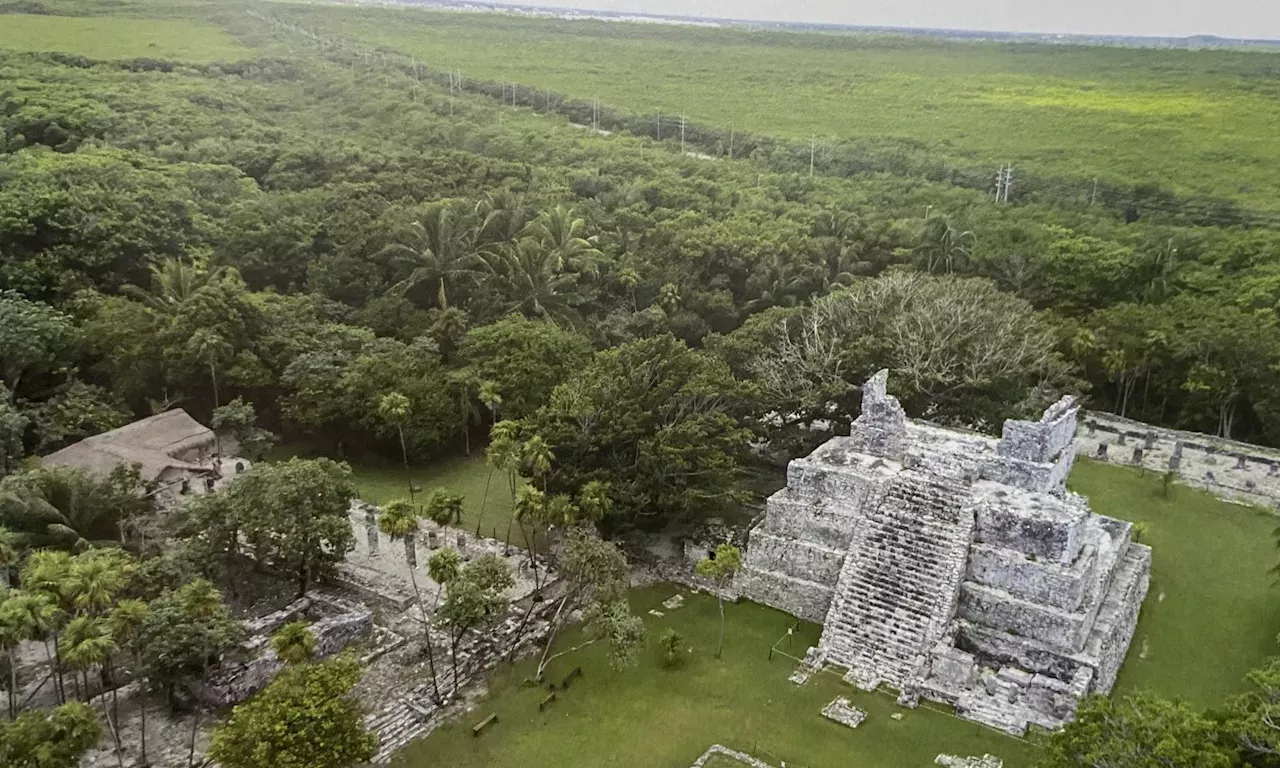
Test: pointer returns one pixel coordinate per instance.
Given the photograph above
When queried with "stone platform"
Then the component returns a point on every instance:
(953, 566)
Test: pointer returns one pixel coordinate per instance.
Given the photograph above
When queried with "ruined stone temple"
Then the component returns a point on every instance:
(953, 566)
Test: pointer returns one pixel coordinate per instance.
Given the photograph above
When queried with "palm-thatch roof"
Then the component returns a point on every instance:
(155, 443)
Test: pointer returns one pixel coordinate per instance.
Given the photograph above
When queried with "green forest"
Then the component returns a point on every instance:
(405, 236)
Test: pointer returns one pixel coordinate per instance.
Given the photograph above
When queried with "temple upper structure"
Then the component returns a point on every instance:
(953, 566)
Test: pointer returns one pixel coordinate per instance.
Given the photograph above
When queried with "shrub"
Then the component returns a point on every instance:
(671, 648)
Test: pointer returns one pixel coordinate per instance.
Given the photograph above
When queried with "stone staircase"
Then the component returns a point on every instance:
(898, 587)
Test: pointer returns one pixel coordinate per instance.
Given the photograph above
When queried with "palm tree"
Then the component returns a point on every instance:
(530, 278)
(173, 283)
(491, 399)
(503, 454)
(294, 643)
(594, 501)
(14, 628)
(529, 509)
(126, 620)
(52, 508)
(440, 248)
(941, 245)
(210, 348)
(97, 577)
(503, 218)
(41, 616)
(561, 234)
(399, 520)
(443, 567)
(48, 572)
(395, 409)
(86, 643)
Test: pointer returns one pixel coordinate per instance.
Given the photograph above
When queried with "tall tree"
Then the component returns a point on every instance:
(439, 249)
(658, 421)
(395, 408)
(127, 619)
(399, 520)
(720, 568)
(477, 596)
(294, 515)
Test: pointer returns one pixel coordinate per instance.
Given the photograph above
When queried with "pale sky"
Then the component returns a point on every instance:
(1171, 18)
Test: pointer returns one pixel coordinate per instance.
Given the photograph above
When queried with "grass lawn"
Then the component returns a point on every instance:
(101, 37)
(1209, 618)
(380, 481)
(1211, 615)
(649, 717)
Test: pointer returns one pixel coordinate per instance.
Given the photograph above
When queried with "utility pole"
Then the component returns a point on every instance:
(659, 125)
(813, 145)
(1004, 183)
(1094, 197)
(595, 114)
(730, 142)
(682, 134)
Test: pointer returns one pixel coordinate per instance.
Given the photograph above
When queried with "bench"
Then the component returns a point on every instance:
(547, 701)
(485, 723)
(574, 673)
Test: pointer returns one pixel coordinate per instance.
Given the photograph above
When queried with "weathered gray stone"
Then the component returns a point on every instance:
(338, 624)
(842, 711)
(953, 566)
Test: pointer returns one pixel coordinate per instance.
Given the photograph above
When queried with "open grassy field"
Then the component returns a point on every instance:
(649, 717)
(103, 37)
(1204, 122)
(1210, 617)
(380, 481)
(1214, 608)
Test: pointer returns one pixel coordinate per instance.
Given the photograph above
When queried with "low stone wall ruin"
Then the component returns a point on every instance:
(335, 623)
(1232, 471)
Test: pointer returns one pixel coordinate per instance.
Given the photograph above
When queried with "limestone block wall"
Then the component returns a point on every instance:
(796, 558)
(1048, 583)
(1062, 630)
(1231, 470)
(1039, 525)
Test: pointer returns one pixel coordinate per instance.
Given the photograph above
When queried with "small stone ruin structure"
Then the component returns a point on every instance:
(334, 622)
(953, 566)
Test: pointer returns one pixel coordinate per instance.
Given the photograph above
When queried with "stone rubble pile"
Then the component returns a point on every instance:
(842, 711)
(952, 566)
(986, 761)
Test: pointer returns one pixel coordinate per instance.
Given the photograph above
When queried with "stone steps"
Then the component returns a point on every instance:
(900, 580)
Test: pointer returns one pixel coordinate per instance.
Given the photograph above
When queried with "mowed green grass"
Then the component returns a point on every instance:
(105, 37)
(649, 717)
(1210, 617)
(379, 480)
(1213, 611)
(1204, 122)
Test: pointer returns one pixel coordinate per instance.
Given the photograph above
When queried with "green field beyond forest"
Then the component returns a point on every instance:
(1199, 122)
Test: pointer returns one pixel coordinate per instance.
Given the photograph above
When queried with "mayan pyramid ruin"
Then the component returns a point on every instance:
(953, 566)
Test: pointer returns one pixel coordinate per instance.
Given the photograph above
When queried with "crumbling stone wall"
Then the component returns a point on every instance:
(335, 623)
(1231, 470)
